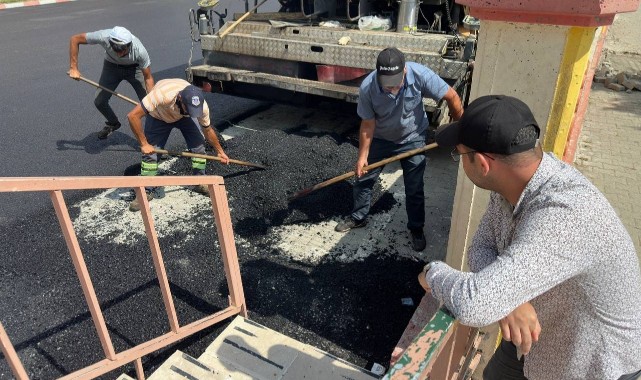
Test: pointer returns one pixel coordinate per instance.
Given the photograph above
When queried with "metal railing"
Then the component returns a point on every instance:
(113, 359)
(435, 346)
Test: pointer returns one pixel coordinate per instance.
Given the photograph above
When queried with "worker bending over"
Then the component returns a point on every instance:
(173, 103)
(125, 59)
(394, 121)
(550, 261)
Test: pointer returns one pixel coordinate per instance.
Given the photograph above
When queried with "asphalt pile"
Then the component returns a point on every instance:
(260, 198)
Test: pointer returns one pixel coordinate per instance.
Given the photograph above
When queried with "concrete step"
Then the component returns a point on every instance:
(247, 350)
(181, 366)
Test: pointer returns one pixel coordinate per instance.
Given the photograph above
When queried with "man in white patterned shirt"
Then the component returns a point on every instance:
(551, 261)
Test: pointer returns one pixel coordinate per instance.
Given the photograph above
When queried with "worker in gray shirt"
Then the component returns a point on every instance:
(125, 59)
(390, 104)
(551, 261)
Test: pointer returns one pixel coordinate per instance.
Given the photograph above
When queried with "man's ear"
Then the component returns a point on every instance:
(484, 163)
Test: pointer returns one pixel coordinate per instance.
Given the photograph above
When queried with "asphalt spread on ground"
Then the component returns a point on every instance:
(351, 310)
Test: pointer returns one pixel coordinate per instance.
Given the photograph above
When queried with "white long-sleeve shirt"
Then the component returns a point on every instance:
(563, 249)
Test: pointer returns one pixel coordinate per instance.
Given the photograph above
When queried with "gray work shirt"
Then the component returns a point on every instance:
(137, 54)
(401, 118)
(564, 249)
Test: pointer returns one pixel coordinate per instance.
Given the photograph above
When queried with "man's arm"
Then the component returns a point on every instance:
(74, 46)
(535, 261)
(149, 79)
(454, 104)
(520, 327)
(213, 140)
(364, 141)
(135, 122)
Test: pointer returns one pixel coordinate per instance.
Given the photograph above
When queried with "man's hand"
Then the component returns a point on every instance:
(423, 282)
(521, 327)
(147, 148)
(74, 74)
(223, 157)
(360, 164)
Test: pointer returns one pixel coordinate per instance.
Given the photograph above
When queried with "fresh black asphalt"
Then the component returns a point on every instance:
(352, 310)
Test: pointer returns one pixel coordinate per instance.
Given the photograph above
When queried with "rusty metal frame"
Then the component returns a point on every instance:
(113, 360)
(435, 346)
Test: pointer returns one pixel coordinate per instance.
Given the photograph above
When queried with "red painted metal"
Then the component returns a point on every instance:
(552, 12)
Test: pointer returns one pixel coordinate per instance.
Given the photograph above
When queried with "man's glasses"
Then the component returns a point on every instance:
(119, 48)
(456, 156)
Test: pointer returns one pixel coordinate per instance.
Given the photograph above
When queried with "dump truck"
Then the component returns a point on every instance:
(317, 51)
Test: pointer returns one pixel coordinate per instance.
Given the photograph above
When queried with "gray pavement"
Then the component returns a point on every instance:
(608, 151)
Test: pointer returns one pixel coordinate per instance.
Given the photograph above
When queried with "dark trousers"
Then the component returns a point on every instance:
(157, 132)
(110, 78)
(413, 170)
(504, 365)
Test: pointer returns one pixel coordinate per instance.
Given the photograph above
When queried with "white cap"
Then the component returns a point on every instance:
(120, 35)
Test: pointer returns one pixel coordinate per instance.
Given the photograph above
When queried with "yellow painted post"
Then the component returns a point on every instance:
(574, 63)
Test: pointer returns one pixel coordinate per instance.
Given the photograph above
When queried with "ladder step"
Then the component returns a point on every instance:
(181, 366)
(247, 350)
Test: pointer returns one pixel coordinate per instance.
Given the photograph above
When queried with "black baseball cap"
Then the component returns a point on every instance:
(390, 66)
(490, 125)
(192, 97)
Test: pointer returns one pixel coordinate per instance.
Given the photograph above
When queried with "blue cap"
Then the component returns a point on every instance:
(193, 99)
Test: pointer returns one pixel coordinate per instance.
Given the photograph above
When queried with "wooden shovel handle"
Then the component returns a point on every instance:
(108, 90)
(207, 157)
(366, 168)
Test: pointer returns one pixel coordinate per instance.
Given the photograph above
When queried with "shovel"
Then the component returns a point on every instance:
(207, 157)
(366, 168)
(108, 90)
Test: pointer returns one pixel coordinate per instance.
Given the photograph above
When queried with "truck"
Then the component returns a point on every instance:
(311, 52)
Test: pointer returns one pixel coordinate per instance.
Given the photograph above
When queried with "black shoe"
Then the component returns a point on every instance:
(349, 224)
(107, 130)
(418, 240)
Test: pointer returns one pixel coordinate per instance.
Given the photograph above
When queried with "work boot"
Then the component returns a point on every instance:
(201, 189)
(107, 130)
(135, 205)
(349, 224)
(418, 239)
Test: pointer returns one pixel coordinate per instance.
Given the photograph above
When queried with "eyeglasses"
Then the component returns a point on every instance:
(118, 48)
(456, 156)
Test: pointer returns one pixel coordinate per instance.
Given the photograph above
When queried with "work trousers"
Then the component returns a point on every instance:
(504, 365)
(157, 132)
(110, 78)
(413, 170)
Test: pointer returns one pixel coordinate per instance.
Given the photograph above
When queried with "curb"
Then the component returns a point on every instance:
(31, 3)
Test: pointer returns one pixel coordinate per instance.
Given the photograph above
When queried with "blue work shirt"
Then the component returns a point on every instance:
(400, 118)
(137, 53)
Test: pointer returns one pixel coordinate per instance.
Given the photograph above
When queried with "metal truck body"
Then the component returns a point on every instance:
(289, 57)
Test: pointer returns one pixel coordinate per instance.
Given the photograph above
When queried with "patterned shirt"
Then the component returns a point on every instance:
(160, 102)
(563, 248)
(401, 118)
(137, 53)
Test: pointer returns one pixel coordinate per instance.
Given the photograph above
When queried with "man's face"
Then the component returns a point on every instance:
(123, 53)
(394, 90)
(471, 166)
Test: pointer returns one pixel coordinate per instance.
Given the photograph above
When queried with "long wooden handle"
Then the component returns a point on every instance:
(232, 26)
(208, 157)
(366, 168)
(108, 90)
